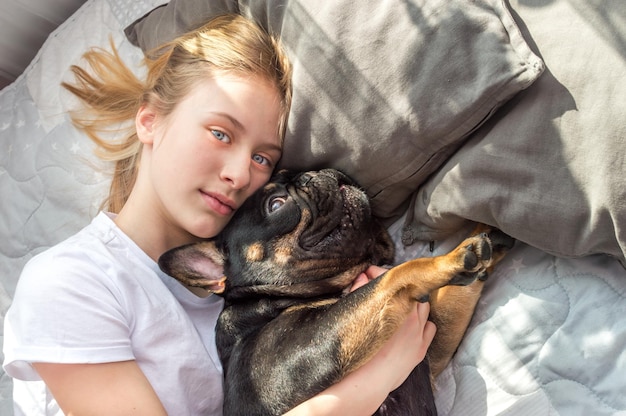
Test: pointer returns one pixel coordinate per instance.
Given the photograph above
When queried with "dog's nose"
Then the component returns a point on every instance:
(304, 179)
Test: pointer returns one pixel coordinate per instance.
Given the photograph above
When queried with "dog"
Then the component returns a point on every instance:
(289, 329)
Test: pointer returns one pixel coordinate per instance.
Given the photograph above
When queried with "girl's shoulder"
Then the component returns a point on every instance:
(96, 255)
(85, 247)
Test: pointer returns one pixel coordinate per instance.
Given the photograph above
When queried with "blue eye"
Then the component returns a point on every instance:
(261, 160)
(220, 135)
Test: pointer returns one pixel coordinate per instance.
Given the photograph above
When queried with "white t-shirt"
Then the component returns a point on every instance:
(97, 297)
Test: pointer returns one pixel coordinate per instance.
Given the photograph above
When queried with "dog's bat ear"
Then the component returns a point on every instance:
(198, 264)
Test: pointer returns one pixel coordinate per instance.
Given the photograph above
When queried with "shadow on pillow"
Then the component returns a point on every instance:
(548, 168)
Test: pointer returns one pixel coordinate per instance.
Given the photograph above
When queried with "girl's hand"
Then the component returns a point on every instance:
(405, 349)
(367, 276)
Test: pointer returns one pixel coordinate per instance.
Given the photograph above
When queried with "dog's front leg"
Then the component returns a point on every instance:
(368, 317)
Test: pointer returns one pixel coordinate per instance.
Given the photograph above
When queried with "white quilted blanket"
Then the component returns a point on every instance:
(548, 337)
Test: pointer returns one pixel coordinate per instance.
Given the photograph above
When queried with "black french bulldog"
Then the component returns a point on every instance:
(288, 329)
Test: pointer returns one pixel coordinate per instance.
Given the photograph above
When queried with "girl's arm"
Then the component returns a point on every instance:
(108, 389)
(363, 391)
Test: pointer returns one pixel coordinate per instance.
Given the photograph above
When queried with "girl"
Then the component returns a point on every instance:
(95, 326)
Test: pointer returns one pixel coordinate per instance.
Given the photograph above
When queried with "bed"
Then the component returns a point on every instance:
(448, 113)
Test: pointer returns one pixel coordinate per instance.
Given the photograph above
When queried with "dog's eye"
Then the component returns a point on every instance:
(275, 203)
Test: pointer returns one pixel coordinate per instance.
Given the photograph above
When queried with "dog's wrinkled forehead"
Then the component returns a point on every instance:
(322, 193)
(325, 179)
(306, 205)
(316, 187)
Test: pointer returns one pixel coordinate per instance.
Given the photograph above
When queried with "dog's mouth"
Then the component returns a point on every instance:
(355, 209)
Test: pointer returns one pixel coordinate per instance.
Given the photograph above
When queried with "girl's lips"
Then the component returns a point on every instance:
(218, 203)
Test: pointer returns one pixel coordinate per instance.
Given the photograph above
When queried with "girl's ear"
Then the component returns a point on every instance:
(145, 123)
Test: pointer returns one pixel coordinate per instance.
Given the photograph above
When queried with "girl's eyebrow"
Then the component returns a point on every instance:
(275, 147)
(232, 119)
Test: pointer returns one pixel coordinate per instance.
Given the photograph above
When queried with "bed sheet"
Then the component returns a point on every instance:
(548, 336)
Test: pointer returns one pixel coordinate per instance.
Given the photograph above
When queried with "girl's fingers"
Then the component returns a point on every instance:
(361, 280)
(371, 273)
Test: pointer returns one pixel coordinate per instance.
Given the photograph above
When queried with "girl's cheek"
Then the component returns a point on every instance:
(259, 182)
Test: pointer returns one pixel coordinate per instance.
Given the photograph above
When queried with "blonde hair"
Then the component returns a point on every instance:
(113, 94)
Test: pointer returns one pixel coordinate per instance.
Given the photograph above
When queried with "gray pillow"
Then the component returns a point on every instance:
(384, 90)
(550, 167)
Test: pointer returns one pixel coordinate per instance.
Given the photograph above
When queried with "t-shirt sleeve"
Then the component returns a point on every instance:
(66, 309)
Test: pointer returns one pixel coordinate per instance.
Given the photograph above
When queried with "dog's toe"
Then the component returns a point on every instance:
(470, 259)
(475, 256)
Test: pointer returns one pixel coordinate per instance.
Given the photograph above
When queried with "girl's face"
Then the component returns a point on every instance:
(218, 146)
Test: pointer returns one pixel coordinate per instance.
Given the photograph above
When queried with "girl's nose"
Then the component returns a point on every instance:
(236, 171)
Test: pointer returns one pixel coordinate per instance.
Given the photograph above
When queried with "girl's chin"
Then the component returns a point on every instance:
(209, 230)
